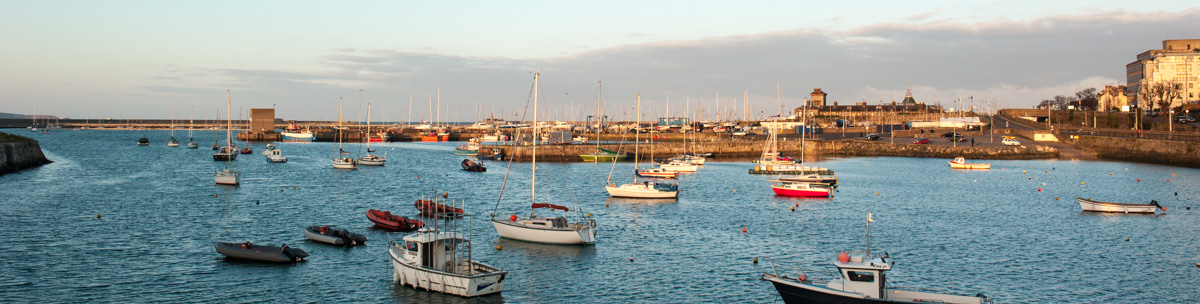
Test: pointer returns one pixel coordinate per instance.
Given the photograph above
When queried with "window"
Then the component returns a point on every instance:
(861, 276)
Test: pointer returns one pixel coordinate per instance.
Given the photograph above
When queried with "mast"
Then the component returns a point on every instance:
(637, 127)
(228, 121)
(368, 128)
(339, 127)
(533, 165)
(191, 123)
(869, 220)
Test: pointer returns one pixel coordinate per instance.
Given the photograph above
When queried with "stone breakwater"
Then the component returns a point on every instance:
(19, 153)
(1168, 152)
(855, 148)
(752, 149)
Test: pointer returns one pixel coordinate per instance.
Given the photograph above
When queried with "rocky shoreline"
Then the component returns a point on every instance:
(19, 153)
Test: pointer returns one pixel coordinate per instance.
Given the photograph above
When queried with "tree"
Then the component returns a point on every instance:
(1088, 99)
(1162, 93)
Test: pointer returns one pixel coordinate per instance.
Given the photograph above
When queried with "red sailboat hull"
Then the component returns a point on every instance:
(800, 193)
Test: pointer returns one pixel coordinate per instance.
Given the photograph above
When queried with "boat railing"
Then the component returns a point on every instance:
(801, 274)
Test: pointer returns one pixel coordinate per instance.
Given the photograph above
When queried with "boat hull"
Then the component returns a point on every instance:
(602, 157)
(794, 292)
(484, 279)
(1097, 206)
(639, 192)
(372, 161)
(331, 236)
(261, 253)
(290, 136)
(954, 165)
(228, 178)
(388, 221)
(801, 192)
(516, 231)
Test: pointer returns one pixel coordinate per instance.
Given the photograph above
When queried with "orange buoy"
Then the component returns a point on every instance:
(631, 259)
(1139, 180)
(743, 229)
(97, 216)
(843, 257)
(499, 248)
(512, 218)
(1039, 189)
(1168, 180)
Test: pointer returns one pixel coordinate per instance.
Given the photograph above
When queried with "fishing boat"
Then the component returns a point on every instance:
(860, 279)
(471, 166)
(249, 251)
(1098, 206)
(831, 180)
(342, 160)
(434, 260)
(228, 176)
(371, 159)
(470, 148)
(640, 189)
(391, 221)
(435, 209)
(275, 156)
(248, 149)
(543, 229)
(334, 236)
(801, 189)
(961, 163)
(297, 135)
(143, 141)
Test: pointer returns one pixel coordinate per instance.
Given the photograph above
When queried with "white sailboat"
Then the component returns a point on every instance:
(340, 160)
(173, 142)
(191, 123)
(552, 230)
(228, 176)
(642, 189)
(371, 159)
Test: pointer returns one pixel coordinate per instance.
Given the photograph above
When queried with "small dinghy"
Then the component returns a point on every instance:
(1098, 206)
(249, 251)
(437, 210)
(471, 166)
(393, 222)
(338, 237)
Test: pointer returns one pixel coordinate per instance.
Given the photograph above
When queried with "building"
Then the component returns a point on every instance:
(817, 107)
(1178, 61)
(262, 120)
(1113, 97)
(817, 98)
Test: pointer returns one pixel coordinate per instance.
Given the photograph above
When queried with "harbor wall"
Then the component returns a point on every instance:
(19, 153)
(1168, 152)
(749, 149)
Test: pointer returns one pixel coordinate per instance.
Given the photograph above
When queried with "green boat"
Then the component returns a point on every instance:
(603, 155)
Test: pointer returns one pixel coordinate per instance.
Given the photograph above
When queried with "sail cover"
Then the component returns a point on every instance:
(551, 206)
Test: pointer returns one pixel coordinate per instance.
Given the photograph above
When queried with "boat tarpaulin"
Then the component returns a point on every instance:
(551, 206)
(607, 151)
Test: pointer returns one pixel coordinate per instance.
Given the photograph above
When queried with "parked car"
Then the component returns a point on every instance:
(921, 141)
(739, 133)
(1184, 119)
(949, 134)
(1009, 141)
(958, 138)
(871, 136)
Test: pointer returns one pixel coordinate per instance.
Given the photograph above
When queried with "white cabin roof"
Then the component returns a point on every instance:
(859, 260)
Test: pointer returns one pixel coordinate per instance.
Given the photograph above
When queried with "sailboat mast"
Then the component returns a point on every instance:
(533, 165)
(368, 129)
(228, 121)
(637, 138)
(339, 127)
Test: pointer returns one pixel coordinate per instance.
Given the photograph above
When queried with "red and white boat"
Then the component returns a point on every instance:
(801, 189)
(393, 222)
(381, 136)
(655, 173)
(961, 163)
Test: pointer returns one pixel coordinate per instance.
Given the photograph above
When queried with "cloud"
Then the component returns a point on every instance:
(1014, 62)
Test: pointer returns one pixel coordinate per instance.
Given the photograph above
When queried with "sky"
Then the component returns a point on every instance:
(138, 59)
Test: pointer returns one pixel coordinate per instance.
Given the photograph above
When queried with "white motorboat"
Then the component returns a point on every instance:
(297, 135)
(860, 279)
(228, 176)
(267, 150)
(432, 260)
(275, 156)
(679, 166)
(1098, 206)
(541, 229)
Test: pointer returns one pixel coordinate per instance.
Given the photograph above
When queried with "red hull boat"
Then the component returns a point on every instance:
(393, 222)
(801, 189)
(434, 209)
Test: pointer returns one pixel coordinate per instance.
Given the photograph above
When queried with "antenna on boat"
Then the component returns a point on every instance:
(869, 220)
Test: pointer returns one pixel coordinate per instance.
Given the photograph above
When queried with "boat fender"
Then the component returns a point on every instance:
(512, 218)
(802, 278)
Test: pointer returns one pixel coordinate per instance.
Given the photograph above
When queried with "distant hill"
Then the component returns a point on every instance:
(23, 116)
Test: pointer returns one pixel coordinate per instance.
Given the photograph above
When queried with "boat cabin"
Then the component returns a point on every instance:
(862, 276)
(436, 250)
(546, 223)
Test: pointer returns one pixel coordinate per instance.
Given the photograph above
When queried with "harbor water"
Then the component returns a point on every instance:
(113, 222)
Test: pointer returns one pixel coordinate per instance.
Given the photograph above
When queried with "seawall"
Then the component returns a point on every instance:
(740, 149)
(1168, 152)
(19, 153)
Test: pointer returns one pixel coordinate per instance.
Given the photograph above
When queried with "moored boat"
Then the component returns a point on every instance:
(297, 135)
(801, 189)
(433, 260)
(655, 173)
(603, 155)
(334, 236)
(1098, 206)
(432, 208)
(391, 221)
(250, 251)
(961, 163)
(247, 150)
(275, 156)
(143, 141)
(644, 190)
(860, 279)
(470, 148)
(812, 178)
(471, 166)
